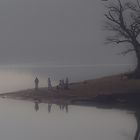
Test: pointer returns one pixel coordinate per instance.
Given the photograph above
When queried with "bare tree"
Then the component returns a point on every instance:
(123, 20)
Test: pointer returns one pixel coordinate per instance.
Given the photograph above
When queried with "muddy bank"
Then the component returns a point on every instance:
(109, 91)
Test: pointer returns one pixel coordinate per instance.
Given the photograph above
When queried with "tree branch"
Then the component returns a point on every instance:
(123, 41)
(117, 41)
(124, 29)
(127, 51)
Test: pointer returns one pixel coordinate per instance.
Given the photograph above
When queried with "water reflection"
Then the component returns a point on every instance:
(137, 135)
(49, 108)
(64, 107)
(61, 106)
(36, 106)
(81, 122)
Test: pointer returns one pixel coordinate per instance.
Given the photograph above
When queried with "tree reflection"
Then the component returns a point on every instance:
(137, 135)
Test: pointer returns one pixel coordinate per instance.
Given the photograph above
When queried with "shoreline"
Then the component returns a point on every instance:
(109, 91)
(115, 101)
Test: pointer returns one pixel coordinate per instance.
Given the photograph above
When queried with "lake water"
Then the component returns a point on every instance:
(24, 120)
(18, 77)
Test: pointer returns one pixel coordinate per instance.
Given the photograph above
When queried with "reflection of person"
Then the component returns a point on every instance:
(66, 108)
(49, 108)
(63, 107)
(36, 83)
(137, 115)
(36, 106)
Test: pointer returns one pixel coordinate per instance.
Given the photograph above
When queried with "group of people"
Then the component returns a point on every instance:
(62, 84)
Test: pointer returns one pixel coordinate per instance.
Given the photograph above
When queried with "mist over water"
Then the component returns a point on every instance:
(58, 39)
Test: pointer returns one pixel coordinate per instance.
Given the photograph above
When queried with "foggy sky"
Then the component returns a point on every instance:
(55, 32)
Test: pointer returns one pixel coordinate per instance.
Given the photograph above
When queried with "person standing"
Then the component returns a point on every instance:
(49, 84)
(67, 84)
(36, 83)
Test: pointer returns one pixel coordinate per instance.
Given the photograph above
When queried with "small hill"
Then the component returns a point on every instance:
(118, 84)
(108, 85)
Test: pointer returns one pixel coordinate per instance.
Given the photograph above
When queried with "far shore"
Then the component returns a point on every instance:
(111, 91)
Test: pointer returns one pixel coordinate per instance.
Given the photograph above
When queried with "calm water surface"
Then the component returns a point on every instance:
(23, 120)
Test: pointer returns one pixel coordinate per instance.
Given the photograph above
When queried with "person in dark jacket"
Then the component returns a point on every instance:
(36, 83)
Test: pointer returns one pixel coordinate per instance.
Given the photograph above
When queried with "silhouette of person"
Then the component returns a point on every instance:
(57, 87)
(67, 84)
(36, 83)
(63, 84)
(36, 106)
(60, 84)
(49, 84)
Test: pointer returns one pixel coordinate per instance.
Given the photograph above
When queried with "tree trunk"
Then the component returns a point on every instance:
(136, 73)
(137, 70)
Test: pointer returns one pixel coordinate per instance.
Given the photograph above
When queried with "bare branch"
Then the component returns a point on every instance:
(110, 17)
(123, 41)
(128, 51)
(117, 41)
(124, 24)
(119, 25)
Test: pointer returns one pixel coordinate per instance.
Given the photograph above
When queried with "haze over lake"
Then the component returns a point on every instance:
(55, 38)
(58, 39)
